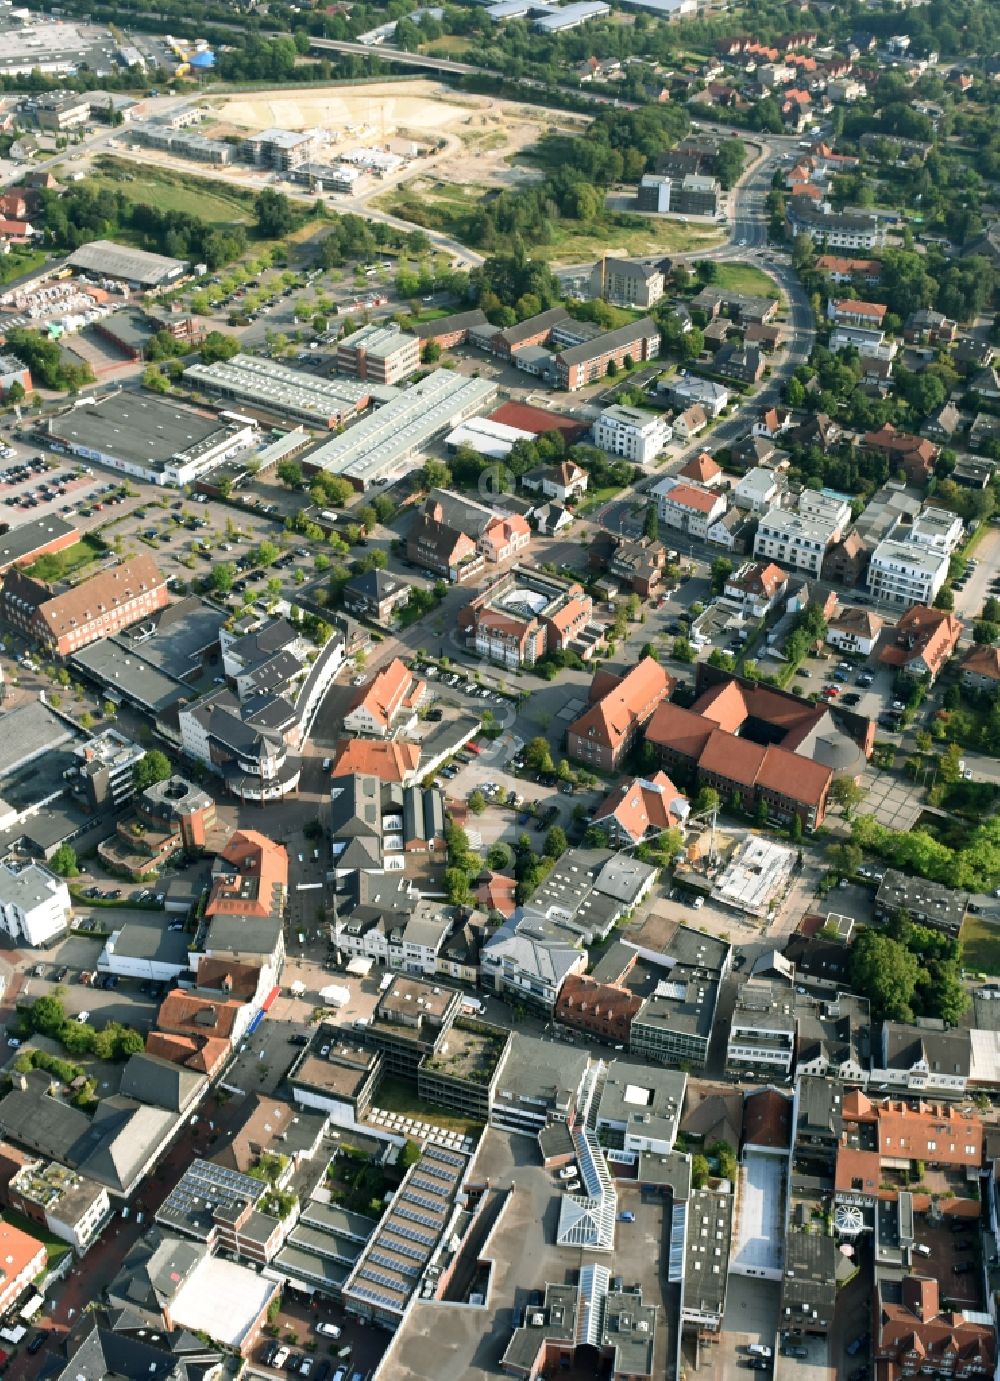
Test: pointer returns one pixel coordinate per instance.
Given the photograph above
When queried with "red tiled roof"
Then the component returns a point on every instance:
(794, 776)
(687, 496)
(679, 729)
(260, 881)
(496, 892)
(630, 702)
(922, 633)
(724, 704)
(183, 1013)
(200, 1053)
(389, 689)
(537, 420)
(735, 759)
(982, 661)
(858, 1172)
(583, 997)
(393, 761)
(767, 1119)
(847, 306)
(701, 468)
(642, 804)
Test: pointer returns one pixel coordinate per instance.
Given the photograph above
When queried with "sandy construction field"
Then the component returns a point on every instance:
(379, 110)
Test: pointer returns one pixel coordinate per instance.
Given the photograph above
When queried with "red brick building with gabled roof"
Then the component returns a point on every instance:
(619, 710)
(915, 455)
(754, 745)
(922, 641)
(914, 1334)
(640, 807)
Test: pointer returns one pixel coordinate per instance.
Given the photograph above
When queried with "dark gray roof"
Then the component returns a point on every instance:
(375, 585)
(149, 1079)
(243, 934)
(946, 1051)
(445, 325)
(98, 1349)
(19, 542)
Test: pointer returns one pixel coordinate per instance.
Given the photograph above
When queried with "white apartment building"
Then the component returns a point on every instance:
(825, 508)
(632, 433)
(76, 1209)
(794, 539)
(35, 906)
(935, 529)
(903, 573)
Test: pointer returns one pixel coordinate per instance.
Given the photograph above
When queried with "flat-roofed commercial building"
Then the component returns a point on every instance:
(903, 573)
(154, 439)
(272, 387)
(383, 354)
(383, 445)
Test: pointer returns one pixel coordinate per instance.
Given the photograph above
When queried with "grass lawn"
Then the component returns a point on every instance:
(744, 278)
(58, 565)
(449, 208)
(56, 1248)
(980, 945)
(596, 497)
(395, 1095)
(170, 191)
(19, 262)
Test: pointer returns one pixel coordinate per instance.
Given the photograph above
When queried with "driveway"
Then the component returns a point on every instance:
(969, 602)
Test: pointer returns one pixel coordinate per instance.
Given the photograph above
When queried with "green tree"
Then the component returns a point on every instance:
(274, 214)
(886, 973)
(409, 1154)
(556, 842)
(218, 346)
(457, 887)
(708, 799)
(290, 473)
(651, 522)
(847, 794)
(844, 858)
(266, 553)
(700, 1171)
(538, 755)
(63, 861)
(498, 856)
(222, 577)
(682, 650)
(153, 767)
(477, 802)
(47, 1015)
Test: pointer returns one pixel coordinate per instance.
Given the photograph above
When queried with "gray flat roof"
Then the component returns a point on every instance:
(29, 731)
(138, 427)
(146, 936)
(21, 541)
(119, 670)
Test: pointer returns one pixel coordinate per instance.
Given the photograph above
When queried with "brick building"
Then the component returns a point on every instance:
(620, 707)
(97, 608)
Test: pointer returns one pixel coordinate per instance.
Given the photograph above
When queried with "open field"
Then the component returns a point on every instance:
(371, 111)
(450, 207)
(980, 946)
(167, 190)
(744, 278)
(58, 565)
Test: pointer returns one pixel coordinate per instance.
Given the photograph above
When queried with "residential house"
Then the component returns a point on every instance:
(928, 327)
(629, 282)
(639, 563)
(562, 482)
(849, 311)
(795, 539)
(731, 532)
(376, 596)
(756, 587)
(685, 390)
(690, 508)
(846, 561)
(913, 1325)
(759, 490)
(743, 363)
(35, 905)
(904, 573)
(942, 425)
(437, 546)
(855, 630)
(641, 808)
(980, 669)
(924, 1057)
(690, 422)
(702, 470)
(913, 454)
(922, 642)
(620, 707)
(632, 433)
(388, 703)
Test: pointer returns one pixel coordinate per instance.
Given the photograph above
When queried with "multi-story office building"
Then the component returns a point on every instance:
(35, 906)
(632, 433)
(904, 574)
(380, 353)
